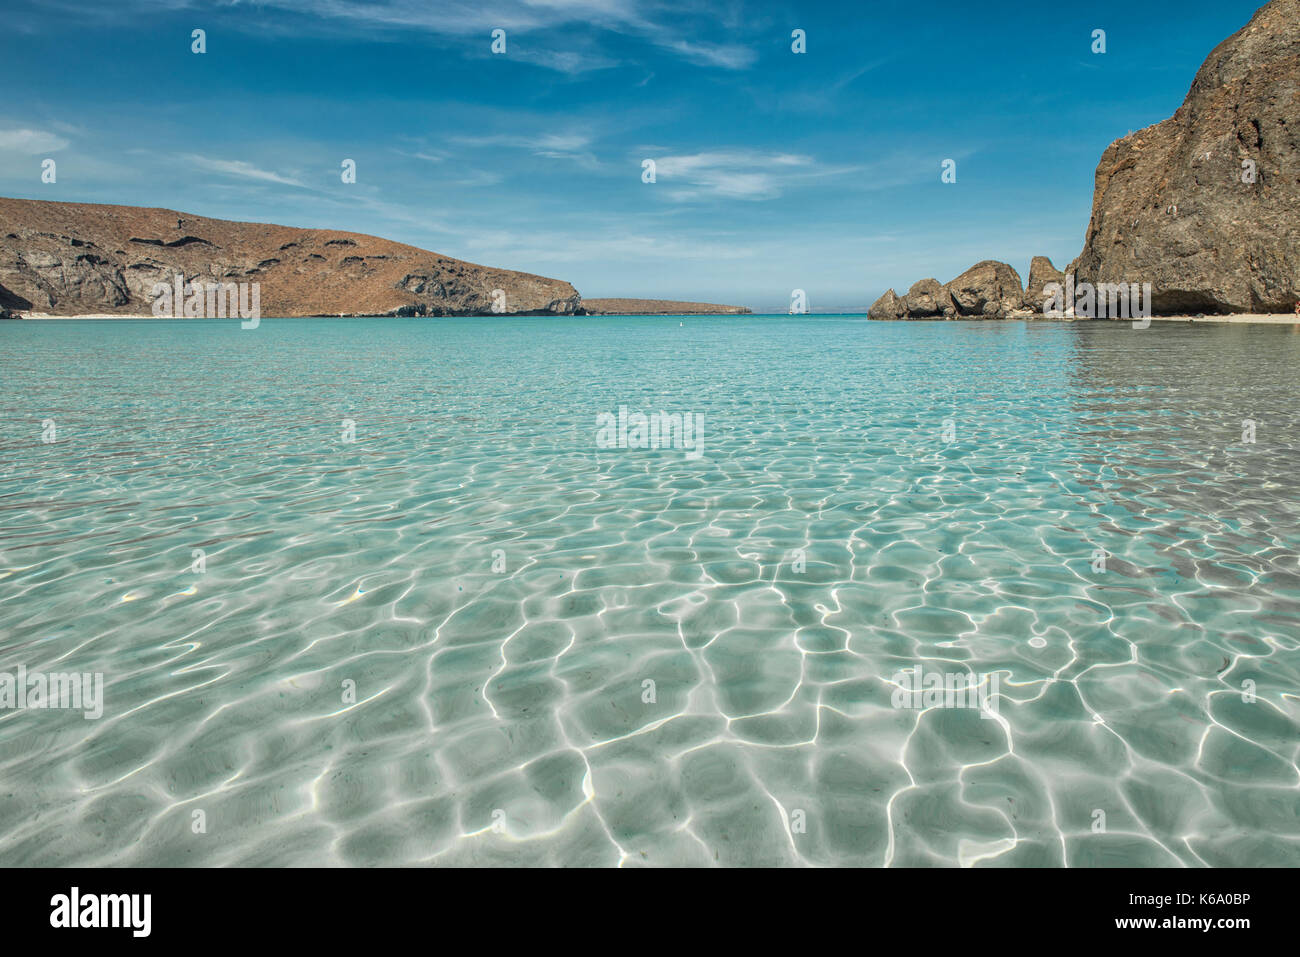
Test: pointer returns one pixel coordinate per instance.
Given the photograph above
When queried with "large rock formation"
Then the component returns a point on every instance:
(1041, 274)
(888, 306)
(988, 290)
(927, 299)
(69, 259)
(1205, 206)
(656, 307)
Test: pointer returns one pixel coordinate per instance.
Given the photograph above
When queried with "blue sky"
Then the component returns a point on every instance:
(775, 170)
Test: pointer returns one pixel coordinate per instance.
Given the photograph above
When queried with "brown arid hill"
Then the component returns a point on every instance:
(68, 259)
(1205, 205)
(657, 307)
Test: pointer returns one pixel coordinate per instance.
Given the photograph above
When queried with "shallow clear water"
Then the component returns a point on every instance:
(951, 487)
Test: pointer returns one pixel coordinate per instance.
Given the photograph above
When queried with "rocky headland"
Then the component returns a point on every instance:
(657, 307)
(77, 259)
(1204, 206)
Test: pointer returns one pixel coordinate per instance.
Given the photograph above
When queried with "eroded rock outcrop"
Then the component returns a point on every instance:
(1041, 274)
(68, 259)
(1205, 205)
(888, 306)
(988, 289)
(927, 299)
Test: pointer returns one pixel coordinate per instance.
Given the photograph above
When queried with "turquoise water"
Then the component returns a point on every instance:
(433, 644)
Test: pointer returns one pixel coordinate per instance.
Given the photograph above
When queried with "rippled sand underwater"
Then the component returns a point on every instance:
(1068, 507)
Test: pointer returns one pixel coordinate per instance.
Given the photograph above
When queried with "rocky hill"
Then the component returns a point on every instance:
(656, 307)
(69, 259)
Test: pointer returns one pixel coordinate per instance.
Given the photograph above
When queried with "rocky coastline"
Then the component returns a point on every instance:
(1204, 206)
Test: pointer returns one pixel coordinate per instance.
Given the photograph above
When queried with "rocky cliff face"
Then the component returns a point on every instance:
(1206, 205)
(70, 259)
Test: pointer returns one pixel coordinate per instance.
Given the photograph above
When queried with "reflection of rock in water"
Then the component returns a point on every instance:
(1185, 438)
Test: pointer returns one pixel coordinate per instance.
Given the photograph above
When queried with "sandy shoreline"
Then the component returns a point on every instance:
(1243, 317)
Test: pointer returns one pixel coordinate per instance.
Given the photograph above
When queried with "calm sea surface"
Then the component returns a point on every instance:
(372, 592)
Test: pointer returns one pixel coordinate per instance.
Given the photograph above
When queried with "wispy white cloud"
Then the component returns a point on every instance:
(729, 56)
(562, 146)
(239, 168)
(460, 17)
(609, 245)
(571, 62)
(478, 177)
(463, 176)
(733, 174)
(31, 141)
(662, 23)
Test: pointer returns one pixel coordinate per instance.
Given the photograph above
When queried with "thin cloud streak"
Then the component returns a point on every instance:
(242, 169)
(660, 24)
(31, 141)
